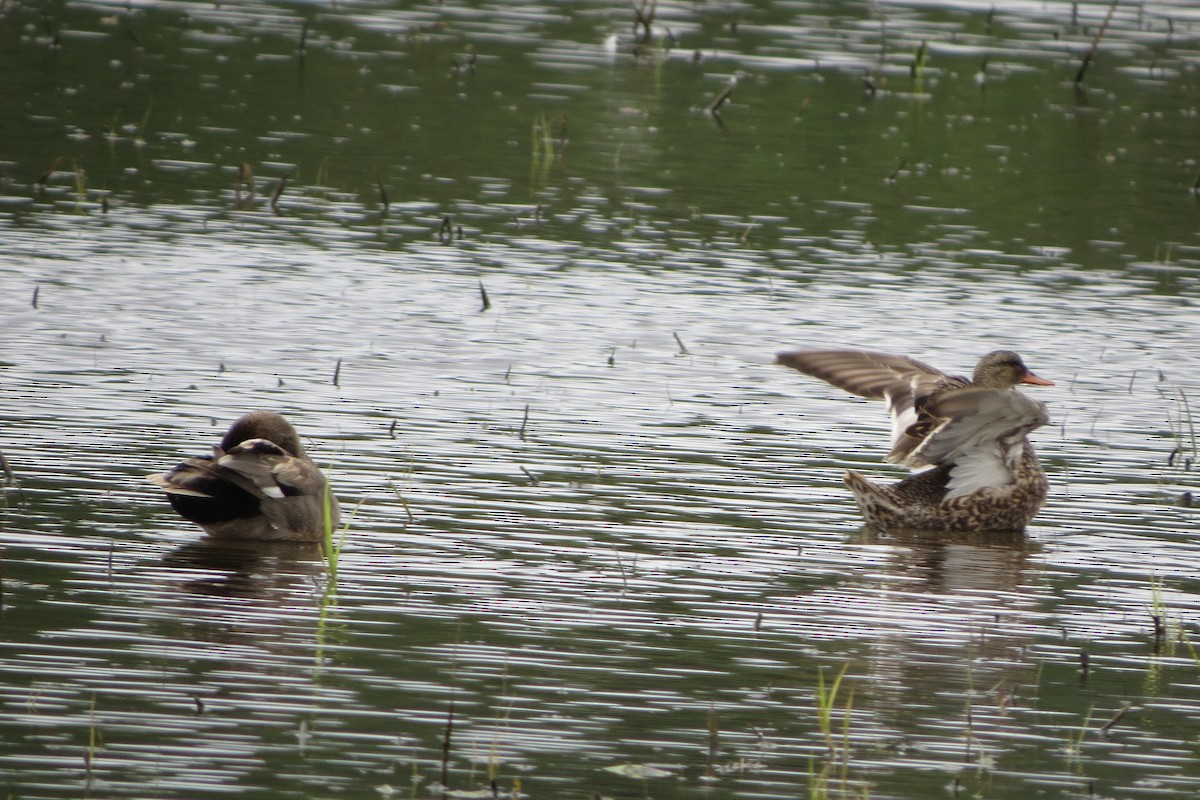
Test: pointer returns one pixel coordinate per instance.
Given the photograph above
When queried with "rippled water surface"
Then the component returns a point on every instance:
(521, 294)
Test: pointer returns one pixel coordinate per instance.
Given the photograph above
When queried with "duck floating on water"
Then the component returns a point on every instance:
(970, 438)
(258, 484)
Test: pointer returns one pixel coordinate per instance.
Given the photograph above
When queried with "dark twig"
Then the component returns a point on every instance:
(682, 347)
(446, 739)
(1121, 712)
(918, 66)
(302, 48)
(279, 191)
(383, 197)
(1091, 53)
(643, 17)
(245, 178)
(724, 94)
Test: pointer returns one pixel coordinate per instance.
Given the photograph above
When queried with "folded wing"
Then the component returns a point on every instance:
(981, 435)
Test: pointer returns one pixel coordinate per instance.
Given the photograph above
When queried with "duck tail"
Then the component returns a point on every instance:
(872, 500)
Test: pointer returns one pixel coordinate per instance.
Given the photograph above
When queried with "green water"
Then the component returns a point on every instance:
(603, 547)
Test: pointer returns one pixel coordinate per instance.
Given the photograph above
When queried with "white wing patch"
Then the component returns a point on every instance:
(904, 415)
(978, 469)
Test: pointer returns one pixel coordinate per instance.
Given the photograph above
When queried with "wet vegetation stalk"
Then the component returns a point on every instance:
(94, 741)
(45, 176)
(278, 191)
(384, 203)
(917, 71)
(682, 347)
(1091, 53)
(1121, 712)
(403, 503)
(502, 724)
(825, 700)
(80, 186)
(447, 738)
(714, 739)
(1075, 743)
(141, 129)
(643, 18)
(1187, 417)
(245, 177)
(721, 98)
(621, 568)
(1158, 613)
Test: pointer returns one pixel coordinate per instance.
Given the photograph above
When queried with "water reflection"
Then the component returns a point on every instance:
(263, 570)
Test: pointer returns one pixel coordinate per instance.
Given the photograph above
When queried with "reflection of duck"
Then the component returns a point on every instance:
(984, 476)
(244, 568)
(257, 484)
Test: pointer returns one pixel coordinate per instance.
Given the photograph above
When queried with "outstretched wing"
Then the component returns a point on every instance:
(904, 383)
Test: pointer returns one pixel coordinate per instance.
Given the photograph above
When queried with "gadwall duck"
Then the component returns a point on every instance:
(257, 484)
(971, 434)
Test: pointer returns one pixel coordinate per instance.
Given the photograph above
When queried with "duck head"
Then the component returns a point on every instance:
(1003, 369)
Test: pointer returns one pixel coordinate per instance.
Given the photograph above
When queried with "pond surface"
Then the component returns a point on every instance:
(521, 294)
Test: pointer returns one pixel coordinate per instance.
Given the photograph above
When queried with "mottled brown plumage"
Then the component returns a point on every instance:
(984, 474)
(258, 484)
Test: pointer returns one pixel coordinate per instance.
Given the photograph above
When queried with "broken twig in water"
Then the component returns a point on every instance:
(302, 48)
(1121, 712)
(643, 17)
(245, 178)
(483, 295)
(447, 737)
(917, 70)
(383, 197)
(279, 191)
(1091, 53)
(45, 178)
(716, 104)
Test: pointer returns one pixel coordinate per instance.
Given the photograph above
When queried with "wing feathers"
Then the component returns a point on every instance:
(937, 419)
(862, 372)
